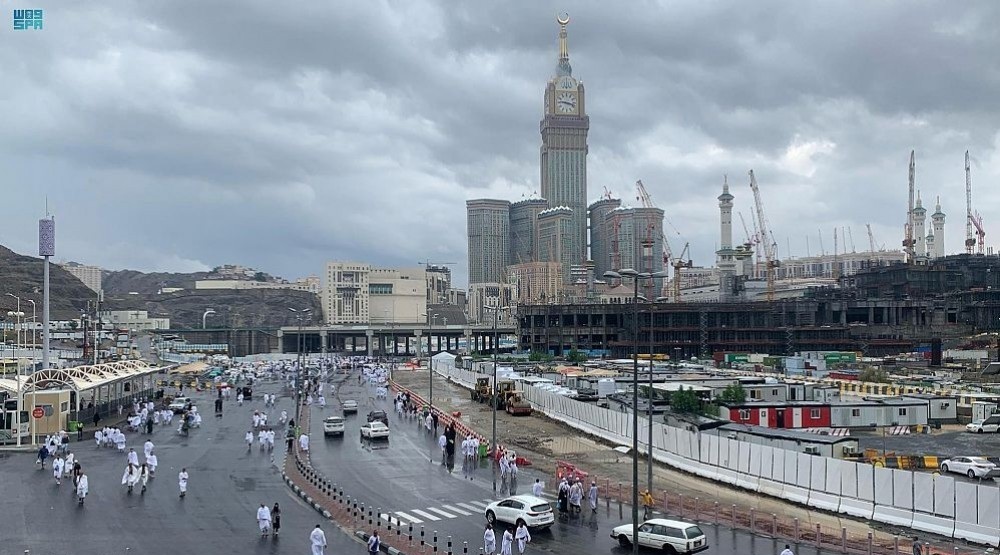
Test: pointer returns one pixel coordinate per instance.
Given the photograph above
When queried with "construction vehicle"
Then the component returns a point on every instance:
(516, 405)
(504, 389)
(482, 392)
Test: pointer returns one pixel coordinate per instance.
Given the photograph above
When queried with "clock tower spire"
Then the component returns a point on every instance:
(563, 154)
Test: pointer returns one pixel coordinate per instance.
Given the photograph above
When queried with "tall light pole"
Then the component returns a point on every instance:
(493, 400)
(300, 314)
(17, 313)
(635, 277)
(34, 324)
(204, 317)
(649, 411)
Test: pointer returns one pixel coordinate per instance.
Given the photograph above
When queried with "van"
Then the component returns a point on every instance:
(989, 425)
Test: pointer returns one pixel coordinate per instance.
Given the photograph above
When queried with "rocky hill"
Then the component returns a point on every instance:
(261, 309)
(22, 276)
(128, 281)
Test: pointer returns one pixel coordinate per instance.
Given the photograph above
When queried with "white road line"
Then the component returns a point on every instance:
(440, 512)
(455, 509)
(428, 516)
(479, 505)
(409, 518)
(472, 508)
(393, 520)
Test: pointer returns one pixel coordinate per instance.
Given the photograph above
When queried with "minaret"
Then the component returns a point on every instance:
(726, 256)
(919, 217)
(937, 223)
(725, 217)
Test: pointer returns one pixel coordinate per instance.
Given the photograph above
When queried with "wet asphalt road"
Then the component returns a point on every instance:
(227, 484)
(404, 476)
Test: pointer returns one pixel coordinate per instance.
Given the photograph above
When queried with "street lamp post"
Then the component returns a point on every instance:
(34, 342)
(204, 317)
(493, 397)
(18, 314)
(635, 277)
(300, 315)
(649, 437)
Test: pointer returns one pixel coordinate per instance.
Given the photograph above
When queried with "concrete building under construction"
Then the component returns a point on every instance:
(878, 311)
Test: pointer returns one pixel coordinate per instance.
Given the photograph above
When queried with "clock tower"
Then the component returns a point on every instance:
(564, 149)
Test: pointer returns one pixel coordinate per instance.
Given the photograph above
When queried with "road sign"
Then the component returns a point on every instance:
(38, 412)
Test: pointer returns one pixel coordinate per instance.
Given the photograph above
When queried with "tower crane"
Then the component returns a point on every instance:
(647, 202)
(871, 237)
(972, 219)
(908, 241)
(751, 239)
(680, 264)
(766, 238)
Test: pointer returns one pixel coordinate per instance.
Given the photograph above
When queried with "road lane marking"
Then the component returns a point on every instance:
(440, 512)
(472, 508)
(409, 519)
(392, 520)
(479, 505)
(455, 509)
(428, 516)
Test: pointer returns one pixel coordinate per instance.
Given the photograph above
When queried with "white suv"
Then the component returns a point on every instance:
(672, 536)
(333, 426)
(534, 512)
(991, 425)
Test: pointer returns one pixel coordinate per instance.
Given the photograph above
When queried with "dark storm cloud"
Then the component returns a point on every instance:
(185, 134)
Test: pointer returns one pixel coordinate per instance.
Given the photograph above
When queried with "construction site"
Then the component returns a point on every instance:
(878, 302)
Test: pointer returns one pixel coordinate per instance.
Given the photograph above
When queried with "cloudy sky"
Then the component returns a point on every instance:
(181, 135)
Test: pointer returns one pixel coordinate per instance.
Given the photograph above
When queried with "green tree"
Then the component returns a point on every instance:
(685, 401)
(539, 356)
(576, 357)
(733, 394)
(876, 375)
(73, 324)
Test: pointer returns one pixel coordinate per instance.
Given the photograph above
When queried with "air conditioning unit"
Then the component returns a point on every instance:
(812, 450)
(849, 451)
(731, 435)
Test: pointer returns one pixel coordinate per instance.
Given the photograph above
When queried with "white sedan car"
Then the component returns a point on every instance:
(534, 512)
(375, 430)
(670, 536)
(973, 467)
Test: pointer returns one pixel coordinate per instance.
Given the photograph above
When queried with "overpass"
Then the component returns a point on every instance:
(390, 339)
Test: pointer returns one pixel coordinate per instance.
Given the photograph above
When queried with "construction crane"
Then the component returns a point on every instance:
(850, 234)
(680, 264)
(974, 231)
(871, 237)
(766, 238)
(751, 239)
(647, 202)
(606, 195)
(836, 257)
(908, 241)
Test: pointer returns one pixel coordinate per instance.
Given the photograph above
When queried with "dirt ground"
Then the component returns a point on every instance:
(544, 441)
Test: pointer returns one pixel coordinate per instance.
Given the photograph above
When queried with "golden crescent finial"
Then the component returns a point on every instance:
(563, 19)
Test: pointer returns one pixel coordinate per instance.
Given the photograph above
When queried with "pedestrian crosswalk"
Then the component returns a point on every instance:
(434, 514)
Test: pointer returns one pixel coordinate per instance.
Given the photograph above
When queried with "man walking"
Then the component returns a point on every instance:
(374, 543)
(264, 520)
(182, 482)
(787, 550)
(318, 540)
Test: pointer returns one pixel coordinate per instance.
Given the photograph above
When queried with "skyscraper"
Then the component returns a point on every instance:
(524, 229)
(489, 239)
(555, 234)
(600, 235)
(563, 153)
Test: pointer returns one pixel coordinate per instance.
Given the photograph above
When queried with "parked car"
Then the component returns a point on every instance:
(991, 425)
(379, 415)
(333, 426)
(973, 467)
(375, 430)
(349, 406)
(672, 536)
(534, 512)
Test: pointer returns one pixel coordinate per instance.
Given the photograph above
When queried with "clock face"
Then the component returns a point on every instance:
(566, 102)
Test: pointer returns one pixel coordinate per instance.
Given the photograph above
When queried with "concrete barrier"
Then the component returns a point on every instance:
(893, 515)
(856, 507)
(934, 524)
(825, 501)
